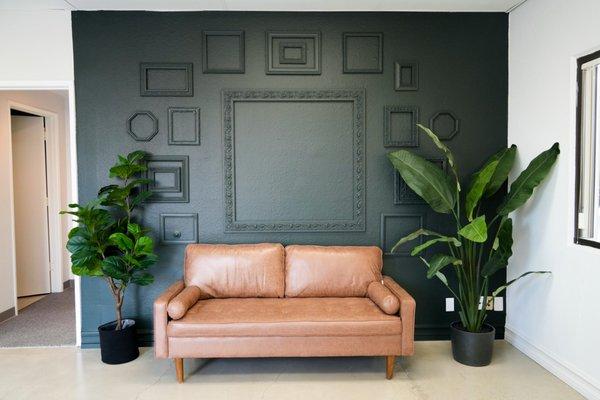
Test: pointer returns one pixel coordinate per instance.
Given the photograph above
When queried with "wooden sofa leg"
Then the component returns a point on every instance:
(179, 369)
(389, 366)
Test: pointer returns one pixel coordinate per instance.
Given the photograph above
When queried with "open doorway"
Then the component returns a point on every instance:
(35, 126)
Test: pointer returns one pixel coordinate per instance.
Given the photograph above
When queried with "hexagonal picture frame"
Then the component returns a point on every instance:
(448, 125)
(138, 134)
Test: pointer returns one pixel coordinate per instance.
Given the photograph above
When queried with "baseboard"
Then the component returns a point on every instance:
(565, 372)
(4, 315)
(68, 284)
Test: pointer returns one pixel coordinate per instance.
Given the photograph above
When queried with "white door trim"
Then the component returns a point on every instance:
(54, 174)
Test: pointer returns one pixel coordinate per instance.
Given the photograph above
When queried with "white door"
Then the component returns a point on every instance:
(31, 205)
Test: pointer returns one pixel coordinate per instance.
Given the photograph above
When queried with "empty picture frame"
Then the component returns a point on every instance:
(293, 53)
(166, 79)
(396, 226)
(362, 52)
(223, 52)
(403, 194)
(400, 126)
(406, 76)
(170, 179)
(183, 126)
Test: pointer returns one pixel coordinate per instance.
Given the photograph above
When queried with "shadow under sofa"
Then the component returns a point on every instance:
(267, 300)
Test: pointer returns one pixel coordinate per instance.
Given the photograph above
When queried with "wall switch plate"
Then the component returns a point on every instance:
(449, 304)
(480, 307)
(489, 304)
(498, 303)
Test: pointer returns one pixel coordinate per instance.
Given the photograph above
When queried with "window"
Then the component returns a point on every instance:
(587, 217)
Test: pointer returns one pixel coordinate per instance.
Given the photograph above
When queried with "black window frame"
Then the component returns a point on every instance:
(578, 126)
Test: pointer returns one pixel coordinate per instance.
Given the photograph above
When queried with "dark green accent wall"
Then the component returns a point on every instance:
(461, 61)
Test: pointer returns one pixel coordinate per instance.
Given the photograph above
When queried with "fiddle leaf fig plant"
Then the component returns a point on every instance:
(481, 244)
(108, 243)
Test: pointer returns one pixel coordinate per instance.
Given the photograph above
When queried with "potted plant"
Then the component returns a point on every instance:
(109, 244)
(481, 242)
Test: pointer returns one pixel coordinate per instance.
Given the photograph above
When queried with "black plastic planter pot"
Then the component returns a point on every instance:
(118, 347)
(472, 348)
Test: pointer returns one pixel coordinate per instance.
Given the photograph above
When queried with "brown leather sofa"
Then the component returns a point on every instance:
(264, 300)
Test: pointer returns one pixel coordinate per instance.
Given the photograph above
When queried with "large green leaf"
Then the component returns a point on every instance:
(144, 244)
(443, 239)
(500, 255)
(522, 188)
(413, 236)
(479, 182)
(436, 140)
(475, 231)
(115, 267)
(501, 288)
(506, 159)
(122, 241)
(425, 179)
(142, 279)
(438, 262)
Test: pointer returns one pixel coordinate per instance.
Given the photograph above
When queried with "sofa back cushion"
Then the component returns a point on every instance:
(331, 271)
(240, 270)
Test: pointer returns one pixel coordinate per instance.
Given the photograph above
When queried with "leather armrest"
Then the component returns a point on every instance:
(179, 305)
(407, 314)
(161, 319)
(383, 297)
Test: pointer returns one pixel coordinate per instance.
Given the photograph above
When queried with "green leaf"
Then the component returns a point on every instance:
(135, 156)
(147, 260)
(134, 229)
(475, 231)
(413, 236)
(144, 244)
(506, 159)
(522, 188)
(479, 182)
(436, 140)
(501, 288)
(142, 279)
(122, 241)
(444, 239)
(438, 262)
(500, 255)
(115, 267)
(425, 179)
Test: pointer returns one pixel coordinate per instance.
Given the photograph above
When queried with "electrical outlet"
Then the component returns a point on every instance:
(489, 305)
(449, 304)
(480, 307)
(498, 303)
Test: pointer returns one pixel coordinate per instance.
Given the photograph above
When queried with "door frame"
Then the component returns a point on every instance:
(53, 177)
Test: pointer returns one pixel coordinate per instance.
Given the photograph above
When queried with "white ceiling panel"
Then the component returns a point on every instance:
(265, 5)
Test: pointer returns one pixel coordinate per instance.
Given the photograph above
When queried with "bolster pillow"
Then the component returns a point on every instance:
(383, 297)
(179, 305)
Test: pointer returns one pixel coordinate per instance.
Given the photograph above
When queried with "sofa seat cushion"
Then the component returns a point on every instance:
(348, 316)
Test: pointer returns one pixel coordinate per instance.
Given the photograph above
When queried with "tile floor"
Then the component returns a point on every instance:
(70, 373)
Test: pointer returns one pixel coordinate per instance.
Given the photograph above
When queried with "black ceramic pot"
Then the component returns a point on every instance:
(472, 348)
(118, 346)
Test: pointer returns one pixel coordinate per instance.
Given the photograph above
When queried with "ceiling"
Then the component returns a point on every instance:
(265, 5)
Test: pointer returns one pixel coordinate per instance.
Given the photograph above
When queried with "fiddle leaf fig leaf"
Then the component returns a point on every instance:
(475, 231)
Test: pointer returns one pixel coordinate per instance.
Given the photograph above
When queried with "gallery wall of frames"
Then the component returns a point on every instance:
(274, 127)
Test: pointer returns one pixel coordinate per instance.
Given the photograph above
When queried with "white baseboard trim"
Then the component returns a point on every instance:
(565, 372)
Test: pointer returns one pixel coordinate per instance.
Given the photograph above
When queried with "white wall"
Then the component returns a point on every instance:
(554, 319)
(36, 50)
(36, 46)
